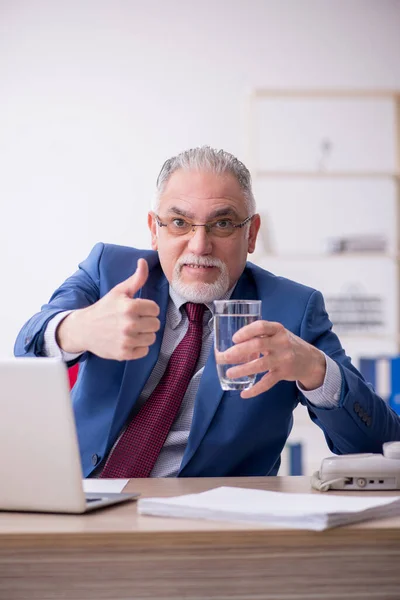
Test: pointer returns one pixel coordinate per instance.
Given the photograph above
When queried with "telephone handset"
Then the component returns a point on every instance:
(360, 471)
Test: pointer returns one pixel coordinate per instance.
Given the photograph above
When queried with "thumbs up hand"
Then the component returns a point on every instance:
(117, 326)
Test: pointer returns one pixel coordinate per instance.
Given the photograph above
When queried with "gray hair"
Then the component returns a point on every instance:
(205, 158)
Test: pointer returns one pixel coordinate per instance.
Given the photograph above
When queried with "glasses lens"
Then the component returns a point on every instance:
(222, 228)
(178, 226)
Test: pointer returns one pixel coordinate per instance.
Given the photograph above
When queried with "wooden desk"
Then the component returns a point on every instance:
(117, 554)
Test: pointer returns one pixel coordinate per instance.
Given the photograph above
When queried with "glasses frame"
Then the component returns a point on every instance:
(207, 226)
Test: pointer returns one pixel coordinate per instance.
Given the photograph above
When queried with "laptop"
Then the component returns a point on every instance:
(40, 466)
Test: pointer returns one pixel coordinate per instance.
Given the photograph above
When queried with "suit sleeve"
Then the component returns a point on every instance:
(363, 421)
(78, 291)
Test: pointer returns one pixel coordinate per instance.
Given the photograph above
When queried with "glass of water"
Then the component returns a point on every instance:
(229, 317)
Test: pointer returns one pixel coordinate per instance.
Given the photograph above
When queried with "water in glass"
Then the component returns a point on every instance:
(225, 327)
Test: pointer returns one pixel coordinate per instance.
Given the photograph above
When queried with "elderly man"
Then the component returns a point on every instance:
(147, 400)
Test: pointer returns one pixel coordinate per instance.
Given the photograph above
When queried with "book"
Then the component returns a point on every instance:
(384, 374)
(273, 509)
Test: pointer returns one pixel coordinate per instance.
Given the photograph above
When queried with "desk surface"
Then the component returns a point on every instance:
(117, 554)
(123, 521)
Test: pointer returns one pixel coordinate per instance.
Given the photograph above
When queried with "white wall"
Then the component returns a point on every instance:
(95, 95)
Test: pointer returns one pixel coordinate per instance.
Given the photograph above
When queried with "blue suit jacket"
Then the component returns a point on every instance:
(229, 436)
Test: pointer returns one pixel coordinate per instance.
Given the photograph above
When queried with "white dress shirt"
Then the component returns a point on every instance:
(170, 457)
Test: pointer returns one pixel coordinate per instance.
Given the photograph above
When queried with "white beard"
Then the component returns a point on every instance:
(200, 292)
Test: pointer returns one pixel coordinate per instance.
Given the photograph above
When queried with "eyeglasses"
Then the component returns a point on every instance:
(219, 228)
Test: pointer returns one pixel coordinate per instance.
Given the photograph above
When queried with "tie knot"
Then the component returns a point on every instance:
(195, 312)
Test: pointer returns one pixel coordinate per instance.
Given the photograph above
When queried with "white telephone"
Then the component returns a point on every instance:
(360, 471)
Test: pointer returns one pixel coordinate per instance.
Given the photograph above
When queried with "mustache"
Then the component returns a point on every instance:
(201, 261)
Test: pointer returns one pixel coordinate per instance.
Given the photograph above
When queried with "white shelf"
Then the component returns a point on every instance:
(310, 152)
(334, 256)
(367, 335)
(326, 167)
(326, 93)
(329, 174)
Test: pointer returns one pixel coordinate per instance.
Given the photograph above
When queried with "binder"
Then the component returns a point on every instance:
(383, 372)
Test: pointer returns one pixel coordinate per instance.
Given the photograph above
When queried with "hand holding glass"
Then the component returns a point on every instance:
(229, 317)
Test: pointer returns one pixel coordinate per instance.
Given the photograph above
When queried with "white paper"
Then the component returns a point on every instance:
(104, 486)
(295, 511)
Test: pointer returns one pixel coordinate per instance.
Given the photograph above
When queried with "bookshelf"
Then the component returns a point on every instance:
(312, 150)
(326, 167)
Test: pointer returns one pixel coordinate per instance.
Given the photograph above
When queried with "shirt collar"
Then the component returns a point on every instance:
(177, 301)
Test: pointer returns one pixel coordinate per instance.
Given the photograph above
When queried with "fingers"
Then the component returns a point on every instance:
(240, 353)
(143, 308)
(257, 329)
(141, 340)
(137, 346)
(249, 368)
(265, 384)
(135, 353)
(138, 334)
(145, 325)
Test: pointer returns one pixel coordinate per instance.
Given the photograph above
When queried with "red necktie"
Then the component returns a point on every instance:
(137, 450)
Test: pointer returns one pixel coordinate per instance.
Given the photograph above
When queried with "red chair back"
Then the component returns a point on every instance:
(73, 374)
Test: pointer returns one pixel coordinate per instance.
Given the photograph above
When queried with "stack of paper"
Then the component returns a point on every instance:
(273, 509)
(104, 486)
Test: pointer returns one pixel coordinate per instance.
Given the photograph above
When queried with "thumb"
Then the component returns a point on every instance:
(133, 284)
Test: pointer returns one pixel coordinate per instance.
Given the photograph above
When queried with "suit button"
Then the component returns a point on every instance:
(356, 407)
(368, 422)
(365, 417)
(361, 413)
(95, 459)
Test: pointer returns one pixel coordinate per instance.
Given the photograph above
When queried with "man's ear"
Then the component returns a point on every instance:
(253, 233)
(152, 223)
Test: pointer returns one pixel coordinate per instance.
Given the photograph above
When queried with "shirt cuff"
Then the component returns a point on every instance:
(50, 347)
(328, 395)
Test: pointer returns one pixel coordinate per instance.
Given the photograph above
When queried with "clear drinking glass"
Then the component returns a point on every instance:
(229, 317)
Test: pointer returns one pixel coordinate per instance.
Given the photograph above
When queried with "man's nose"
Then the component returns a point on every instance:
(200, 242)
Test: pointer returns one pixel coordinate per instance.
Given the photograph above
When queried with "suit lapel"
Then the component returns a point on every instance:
(210, 393)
